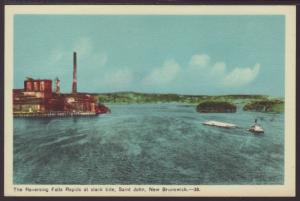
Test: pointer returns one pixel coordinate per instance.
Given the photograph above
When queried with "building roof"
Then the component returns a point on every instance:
(37, 80)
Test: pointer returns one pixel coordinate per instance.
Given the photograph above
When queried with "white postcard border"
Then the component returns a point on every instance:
(287, 189)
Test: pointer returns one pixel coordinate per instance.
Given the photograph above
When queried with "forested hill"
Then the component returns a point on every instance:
(134, 97)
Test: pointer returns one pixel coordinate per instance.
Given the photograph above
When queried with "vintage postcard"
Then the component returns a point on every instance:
(150, 100)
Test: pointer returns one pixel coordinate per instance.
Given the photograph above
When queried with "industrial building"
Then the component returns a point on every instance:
(38, 99)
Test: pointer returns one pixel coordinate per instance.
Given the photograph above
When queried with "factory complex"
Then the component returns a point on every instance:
(37, 99)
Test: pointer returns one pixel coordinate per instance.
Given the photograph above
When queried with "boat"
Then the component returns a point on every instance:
(256, 129)
(219, 124)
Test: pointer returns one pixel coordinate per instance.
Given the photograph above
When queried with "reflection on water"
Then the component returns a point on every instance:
(148, 144)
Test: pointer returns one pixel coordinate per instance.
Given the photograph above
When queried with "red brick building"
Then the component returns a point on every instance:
(38, 97)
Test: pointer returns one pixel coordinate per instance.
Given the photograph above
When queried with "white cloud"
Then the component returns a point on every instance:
(87, 56)
(217, 74)
(241, 76)
(201, 72)
(163, 75)
(118, 79)
(199, 61)
(218, 69)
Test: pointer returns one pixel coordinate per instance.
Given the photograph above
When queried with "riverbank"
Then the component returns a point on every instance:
(141, 98)
(135, 97)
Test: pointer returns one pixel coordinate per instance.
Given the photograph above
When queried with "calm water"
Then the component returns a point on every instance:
(148, 144)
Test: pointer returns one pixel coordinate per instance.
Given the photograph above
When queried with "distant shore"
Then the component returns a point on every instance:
(239, 100)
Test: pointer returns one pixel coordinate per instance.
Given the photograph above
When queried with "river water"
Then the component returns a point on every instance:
(149, 144)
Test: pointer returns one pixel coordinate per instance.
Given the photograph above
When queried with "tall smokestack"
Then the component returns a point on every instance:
(74, 85)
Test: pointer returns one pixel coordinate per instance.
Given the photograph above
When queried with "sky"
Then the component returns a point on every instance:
(197, 55)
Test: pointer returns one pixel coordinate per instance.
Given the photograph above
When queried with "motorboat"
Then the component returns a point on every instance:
(256, 129)
(219, 124)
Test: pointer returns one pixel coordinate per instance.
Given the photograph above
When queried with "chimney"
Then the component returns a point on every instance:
(74, 85)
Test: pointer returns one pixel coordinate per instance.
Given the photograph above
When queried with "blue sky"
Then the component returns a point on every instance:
(165, 54)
